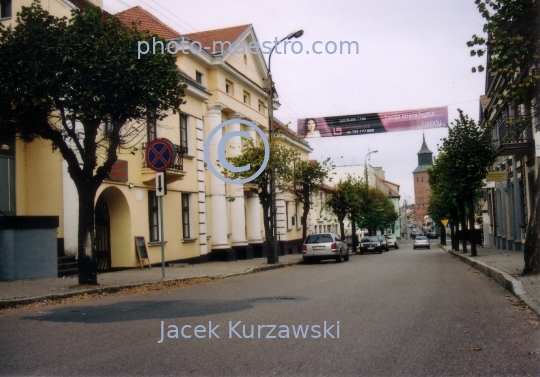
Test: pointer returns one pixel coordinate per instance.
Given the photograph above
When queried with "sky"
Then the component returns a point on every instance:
(412, 55)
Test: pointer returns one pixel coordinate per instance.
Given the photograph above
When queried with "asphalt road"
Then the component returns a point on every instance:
(401, 313)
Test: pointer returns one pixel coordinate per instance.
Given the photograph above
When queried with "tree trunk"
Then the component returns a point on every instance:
(531, 251)
(304, 219)
(442, 231)
(86, 255)
(472, 233)
(453, 236)
(271, 258)
(354, 238)
(463, 221)
(342, 229)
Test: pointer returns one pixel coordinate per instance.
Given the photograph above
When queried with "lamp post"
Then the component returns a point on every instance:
(272, 257)
(365, 166)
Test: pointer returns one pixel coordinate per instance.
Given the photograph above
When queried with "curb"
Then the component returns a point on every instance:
(5, 304)
(511, 284)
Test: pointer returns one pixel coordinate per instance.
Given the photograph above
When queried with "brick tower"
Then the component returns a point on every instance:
(422, 190)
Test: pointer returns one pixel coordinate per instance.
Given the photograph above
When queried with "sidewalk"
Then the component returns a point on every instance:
(504, 266)
(21, 292)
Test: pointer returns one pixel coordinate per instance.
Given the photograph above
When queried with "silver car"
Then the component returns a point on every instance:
(391, 240)
(421, 241)
(324, 246)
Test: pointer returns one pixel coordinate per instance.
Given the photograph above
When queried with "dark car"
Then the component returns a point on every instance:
(384, 243)
(371, 244)
(413, 235)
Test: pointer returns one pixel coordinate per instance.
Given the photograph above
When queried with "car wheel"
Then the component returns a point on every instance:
(307, 260)
(339, 258)
(380, 251)
(397, 247)
(347, 256)
(414, 248)
(429, 247)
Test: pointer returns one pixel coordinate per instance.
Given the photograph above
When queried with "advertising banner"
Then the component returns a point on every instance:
(362, 124)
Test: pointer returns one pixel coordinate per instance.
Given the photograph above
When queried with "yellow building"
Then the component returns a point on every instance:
(204, 217)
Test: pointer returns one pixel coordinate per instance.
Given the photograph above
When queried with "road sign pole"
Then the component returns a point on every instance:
(162, 237)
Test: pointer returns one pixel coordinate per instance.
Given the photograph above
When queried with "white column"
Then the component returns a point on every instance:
(202, 188)
(238, 222)
(253, 213)
(218, 215)
(253, 205)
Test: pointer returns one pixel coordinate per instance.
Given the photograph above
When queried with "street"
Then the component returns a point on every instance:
(404, 312)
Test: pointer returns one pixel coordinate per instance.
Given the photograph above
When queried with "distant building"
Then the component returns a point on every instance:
(422, 191)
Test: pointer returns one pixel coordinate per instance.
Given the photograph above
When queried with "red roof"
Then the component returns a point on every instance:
(207, 38)
(147, 22)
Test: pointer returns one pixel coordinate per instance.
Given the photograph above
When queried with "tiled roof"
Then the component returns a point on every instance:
(147, 22)
(207, 38)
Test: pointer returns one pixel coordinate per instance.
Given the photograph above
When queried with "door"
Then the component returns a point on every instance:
(103, 235)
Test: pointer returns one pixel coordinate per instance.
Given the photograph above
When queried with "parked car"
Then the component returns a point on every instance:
(320, 246)
(391, 240)
(384, 243)
(413, 235)
(421, 241)
(371, 244)
(432, 235)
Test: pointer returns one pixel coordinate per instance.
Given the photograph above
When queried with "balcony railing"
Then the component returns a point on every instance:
(178, 164)
(515, 136)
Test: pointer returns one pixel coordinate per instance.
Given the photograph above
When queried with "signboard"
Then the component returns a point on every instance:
(362, 124)
(140, 246)
(161, 186)
(160, 154)
(444, 222)
(119, 171)
(496, 176)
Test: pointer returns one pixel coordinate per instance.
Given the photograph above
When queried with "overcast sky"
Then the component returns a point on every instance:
(413, 55)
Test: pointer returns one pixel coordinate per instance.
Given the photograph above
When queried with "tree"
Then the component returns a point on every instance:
(63, 79)
(377, 211)
(513, 46)
(308, 178)
(469, 152)
(345, 202)
(281, 159)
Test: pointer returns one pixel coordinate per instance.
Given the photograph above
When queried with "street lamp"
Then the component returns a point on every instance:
(273, 254)
(365, 166)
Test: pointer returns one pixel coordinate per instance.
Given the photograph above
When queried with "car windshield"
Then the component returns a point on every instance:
(370, 239)
(389, 236)
(421, 238)
(319, 238)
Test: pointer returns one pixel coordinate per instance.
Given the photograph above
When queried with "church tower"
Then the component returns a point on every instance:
(422, 190)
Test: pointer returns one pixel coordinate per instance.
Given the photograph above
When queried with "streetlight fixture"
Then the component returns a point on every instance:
(365, 166)
(272, 257)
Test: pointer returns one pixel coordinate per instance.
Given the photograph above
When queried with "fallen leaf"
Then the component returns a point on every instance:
(475, 349)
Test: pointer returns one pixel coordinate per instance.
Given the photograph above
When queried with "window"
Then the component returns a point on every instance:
(7, 175)
(198, 77)
(183, 132)
(107, 128)
(229, 87)
(5, 8)
(261, 106)
(185, 216)
(153, 216)
(151, 127)
(296, 215)
(287, 214)
(247, 98)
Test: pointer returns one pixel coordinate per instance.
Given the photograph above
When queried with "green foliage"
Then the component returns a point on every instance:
(513, 47)
(376, 210)
(346, 199)
(58, 71)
